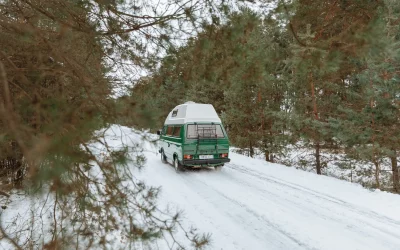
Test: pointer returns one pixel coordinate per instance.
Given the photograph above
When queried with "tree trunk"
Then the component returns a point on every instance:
(395, 172)
(266, 155)
(251, 149)
(316, 117)
(314, 99)
(269, 156)
(376, 163)
(377, 173)
(19, 175)
(318, 157)
(351, 174)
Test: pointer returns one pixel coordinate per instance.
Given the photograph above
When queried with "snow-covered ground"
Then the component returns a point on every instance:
(335, 164)
(252, 204)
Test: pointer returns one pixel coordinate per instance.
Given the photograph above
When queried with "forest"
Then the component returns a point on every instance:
(285, 76)
(328, 84)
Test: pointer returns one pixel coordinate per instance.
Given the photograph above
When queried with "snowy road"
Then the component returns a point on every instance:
(246, 208)
(251, 204)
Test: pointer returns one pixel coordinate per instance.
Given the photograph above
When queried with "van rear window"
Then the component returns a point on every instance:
(204, 131)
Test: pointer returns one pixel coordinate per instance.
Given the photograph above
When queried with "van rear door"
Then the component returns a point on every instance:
(206, 140)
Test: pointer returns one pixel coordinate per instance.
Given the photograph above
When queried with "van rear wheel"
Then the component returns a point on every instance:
(178, 167)
(218, 168)
(163, 157)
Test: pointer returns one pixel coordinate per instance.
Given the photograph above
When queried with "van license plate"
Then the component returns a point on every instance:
(206, 157)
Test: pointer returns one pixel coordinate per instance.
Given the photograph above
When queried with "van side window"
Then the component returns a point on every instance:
(177, 131)
(170, 129)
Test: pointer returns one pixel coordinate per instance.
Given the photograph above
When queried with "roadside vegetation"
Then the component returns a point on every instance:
(318, 76)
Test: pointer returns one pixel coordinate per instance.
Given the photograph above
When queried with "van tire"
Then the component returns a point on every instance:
(178, 167)
(218, 168)
(163, 157)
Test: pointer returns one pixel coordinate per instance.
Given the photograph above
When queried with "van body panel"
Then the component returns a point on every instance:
(171, 145)
(194, 141)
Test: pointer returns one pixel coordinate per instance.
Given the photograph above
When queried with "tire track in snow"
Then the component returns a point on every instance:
(311, 208)
(362, 213)
(247, 210)
(355, 228)
(317, 194)
(252, 227)
(177, 192)
(308, 208)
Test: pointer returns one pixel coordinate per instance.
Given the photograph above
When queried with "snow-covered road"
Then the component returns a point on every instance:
(252, 204)
(248, 208)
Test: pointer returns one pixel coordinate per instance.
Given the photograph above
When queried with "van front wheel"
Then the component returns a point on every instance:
(178, 167)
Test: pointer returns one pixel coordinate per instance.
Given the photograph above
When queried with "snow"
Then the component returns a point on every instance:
(192, 112)
(252, 204)
(17, 214)
(334, 163)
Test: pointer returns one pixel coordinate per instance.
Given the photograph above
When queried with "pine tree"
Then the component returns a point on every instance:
(325, 47)
(56, 62)
(237, 66)
(372, 115)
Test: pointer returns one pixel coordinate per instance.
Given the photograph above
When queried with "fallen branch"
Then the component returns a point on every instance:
(4, 194)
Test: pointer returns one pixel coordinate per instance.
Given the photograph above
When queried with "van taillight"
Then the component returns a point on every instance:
(187, 157)
(223, 155)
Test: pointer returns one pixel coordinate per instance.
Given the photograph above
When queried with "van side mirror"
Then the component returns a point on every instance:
(159, 132)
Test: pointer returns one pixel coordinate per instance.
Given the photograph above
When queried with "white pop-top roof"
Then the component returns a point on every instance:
(192, 112)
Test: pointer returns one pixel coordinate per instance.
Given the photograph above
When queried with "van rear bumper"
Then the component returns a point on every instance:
(205, 161)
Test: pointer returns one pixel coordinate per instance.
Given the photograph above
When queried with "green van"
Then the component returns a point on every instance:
(192, 137)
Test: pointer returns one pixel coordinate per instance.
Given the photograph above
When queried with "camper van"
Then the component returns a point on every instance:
(193, 137)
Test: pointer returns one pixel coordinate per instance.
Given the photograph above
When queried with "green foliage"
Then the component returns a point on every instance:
(237, 66)
(318, 72)
(60, 65)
